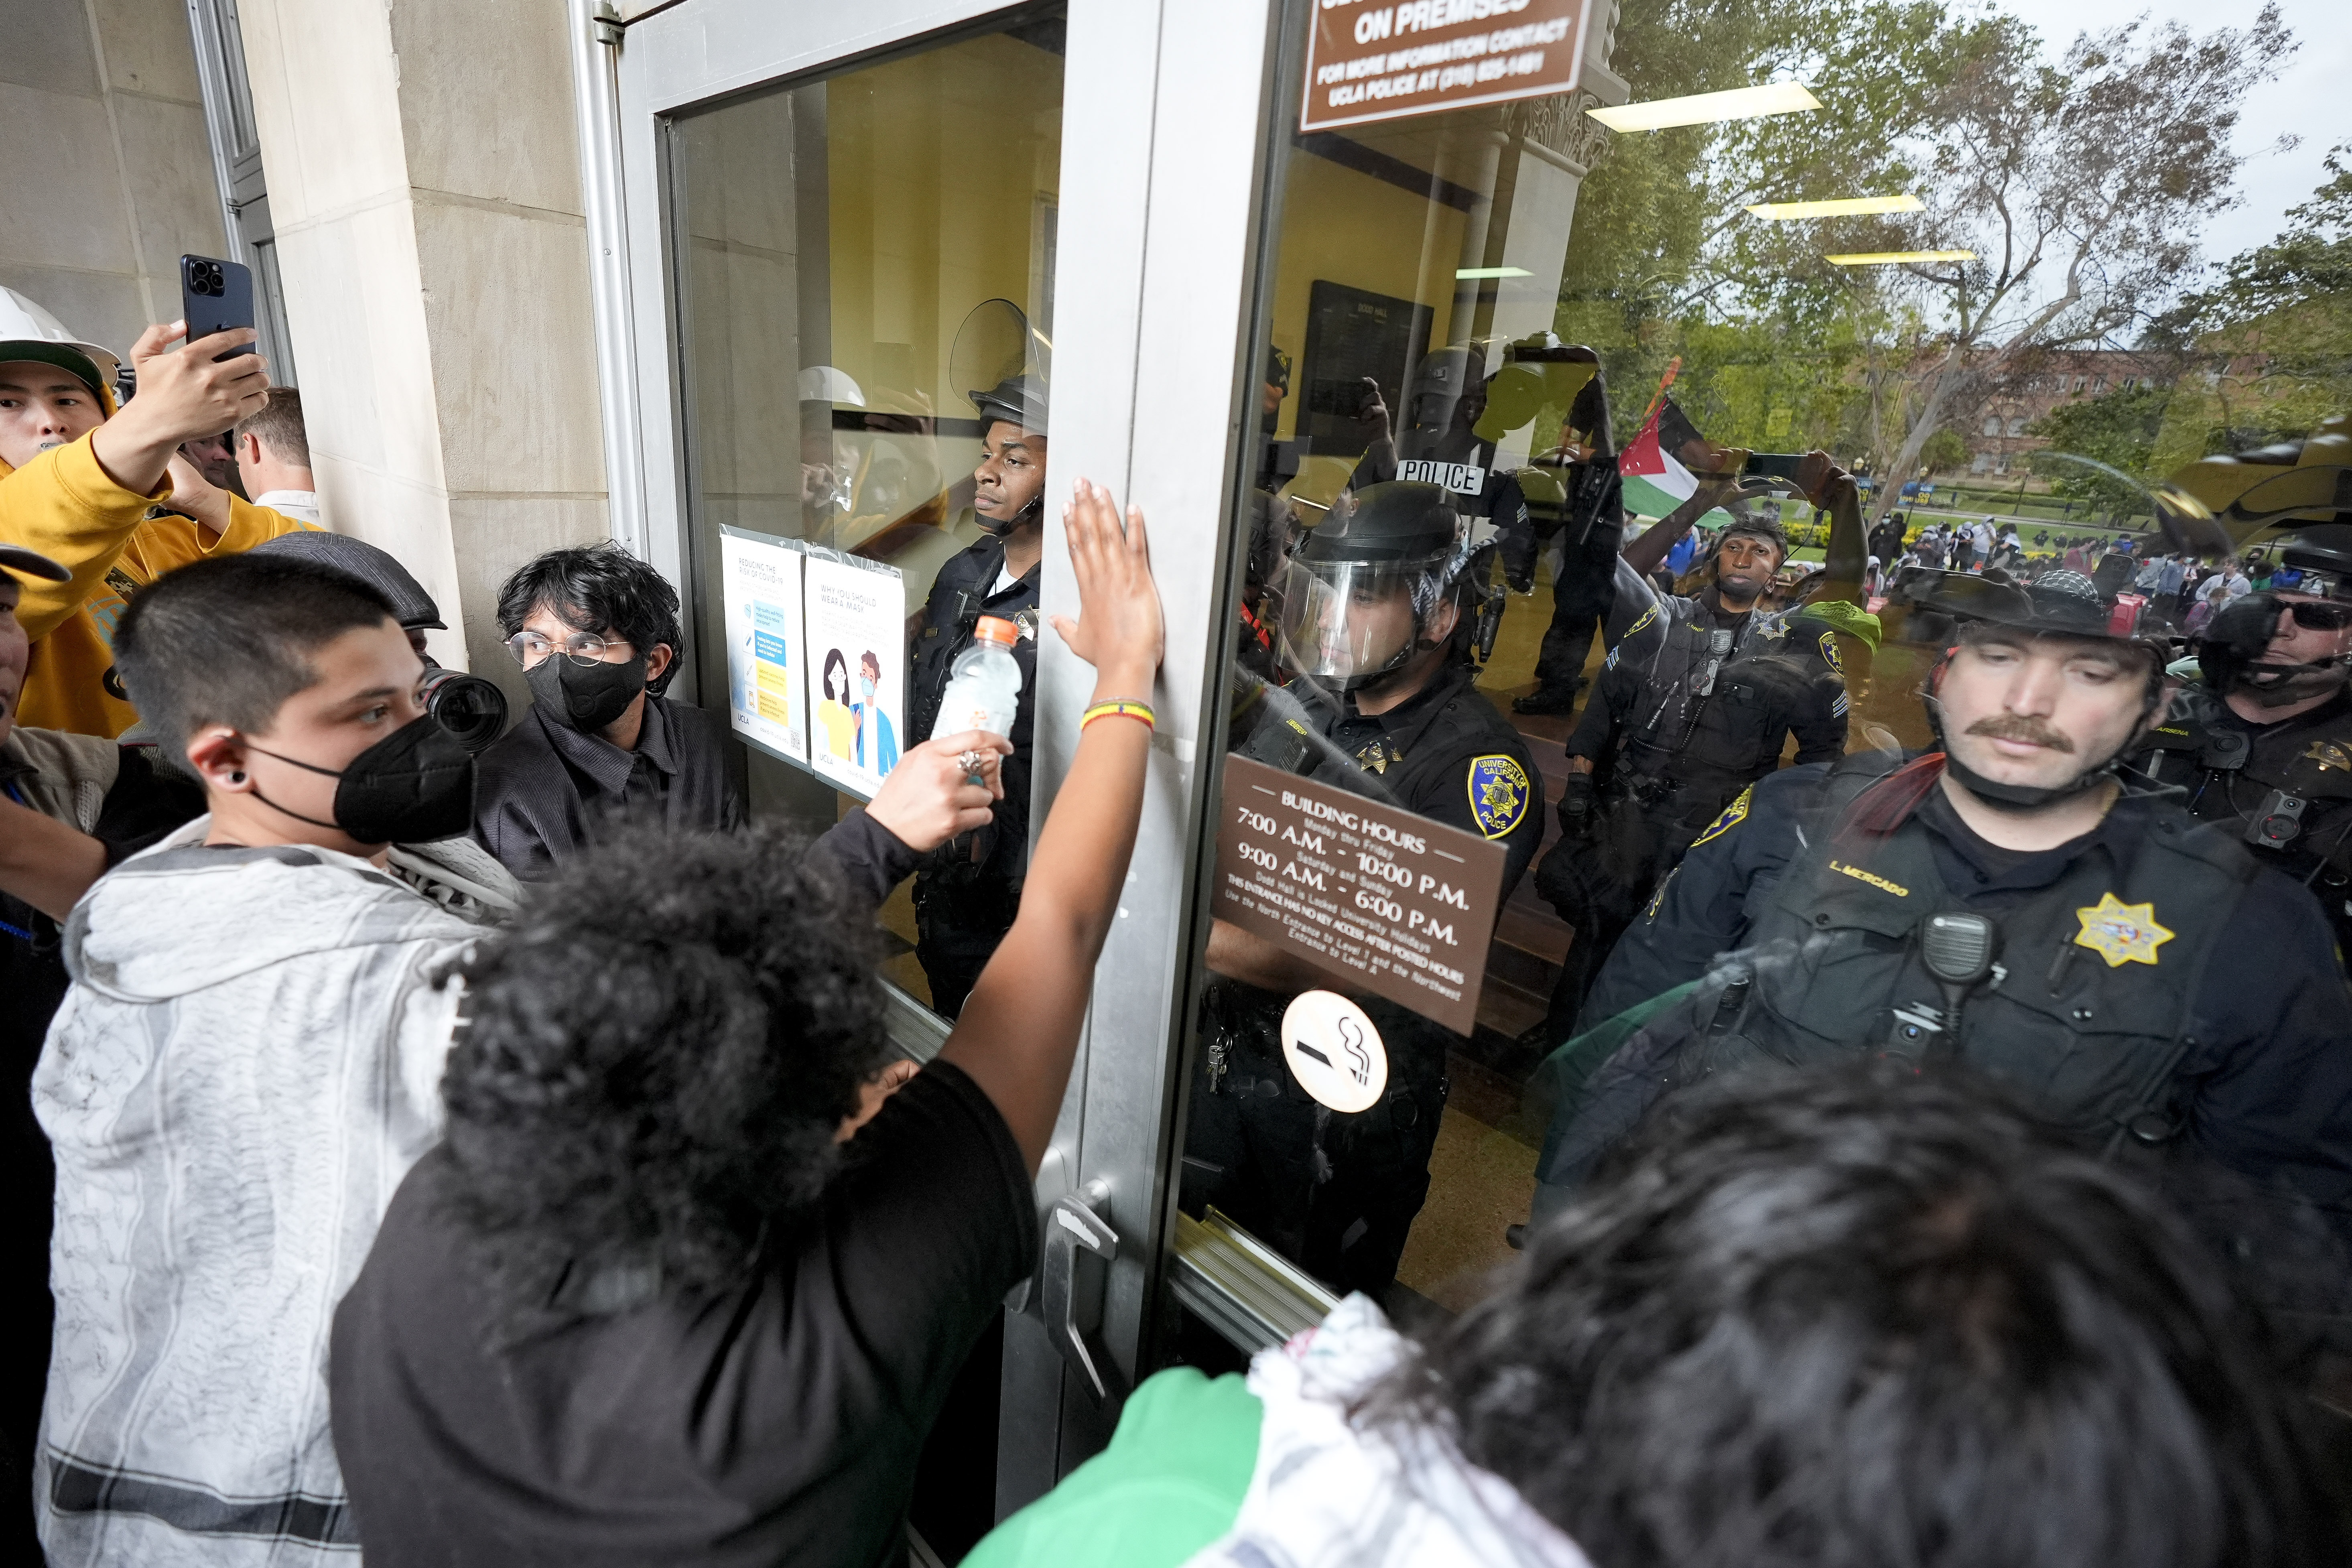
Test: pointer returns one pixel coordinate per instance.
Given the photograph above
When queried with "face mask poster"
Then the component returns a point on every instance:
(816, 645)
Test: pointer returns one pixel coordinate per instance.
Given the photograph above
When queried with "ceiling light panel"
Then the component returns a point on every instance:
(1709, 108)
(1850, 207)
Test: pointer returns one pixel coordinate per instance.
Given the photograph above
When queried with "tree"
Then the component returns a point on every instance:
(2118, 429)
(2080, 187)
(1944, 451)
(2271, 335)
(1665, 263)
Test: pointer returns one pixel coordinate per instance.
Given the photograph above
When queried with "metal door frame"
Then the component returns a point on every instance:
(1159, 195)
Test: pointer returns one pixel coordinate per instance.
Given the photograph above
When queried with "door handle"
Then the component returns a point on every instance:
(1071, 1291)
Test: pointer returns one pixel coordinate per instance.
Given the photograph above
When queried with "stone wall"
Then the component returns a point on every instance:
(108, 177)
(425, 184)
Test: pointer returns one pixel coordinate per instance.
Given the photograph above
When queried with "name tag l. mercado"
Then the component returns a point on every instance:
(1466, 478)
(1380, 900)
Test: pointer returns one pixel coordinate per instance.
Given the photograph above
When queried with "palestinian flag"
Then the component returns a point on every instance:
(1655, 483)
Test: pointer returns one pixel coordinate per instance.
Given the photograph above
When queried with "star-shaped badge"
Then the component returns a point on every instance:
(2120, 933)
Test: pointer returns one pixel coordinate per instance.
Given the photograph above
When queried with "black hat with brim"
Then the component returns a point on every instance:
(32, 563)
(72, 360)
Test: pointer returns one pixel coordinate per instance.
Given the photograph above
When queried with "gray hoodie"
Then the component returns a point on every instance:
(247, 1066)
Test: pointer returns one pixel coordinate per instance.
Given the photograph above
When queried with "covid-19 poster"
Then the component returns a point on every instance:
(857, 638)
(767, 686)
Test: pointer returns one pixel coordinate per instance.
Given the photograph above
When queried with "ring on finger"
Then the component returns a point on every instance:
(970, 762)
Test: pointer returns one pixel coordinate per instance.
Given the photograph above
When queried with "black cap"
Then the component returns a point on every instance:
(2322, 552)
(2064, 604)
(32, 563)
(1016, 400)
(412, 606)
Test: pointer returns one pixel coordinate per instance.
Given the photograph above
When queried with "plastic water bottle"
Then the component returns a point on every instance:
(983, 687)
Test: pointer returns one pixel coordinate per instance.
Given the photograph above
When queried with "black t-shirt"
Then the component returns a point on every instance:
(778, 1423)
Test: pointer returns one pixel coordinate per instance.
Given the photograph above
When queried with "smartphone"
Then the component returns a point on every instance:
(1773, 465)
(215, 297)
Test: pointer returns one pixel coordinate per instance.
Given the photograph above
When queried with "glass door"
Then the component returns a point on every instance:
(870, 278)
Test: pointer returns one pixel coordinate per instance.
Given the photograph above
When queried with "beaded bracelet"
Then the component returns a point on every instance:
(1120, 707)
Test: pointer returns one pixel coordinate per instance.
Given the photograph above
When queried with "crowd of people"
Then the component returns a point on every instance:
(465, 1141)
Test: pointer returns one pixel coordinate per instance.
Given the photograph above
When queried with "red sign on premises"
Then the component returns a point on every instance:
(1384, 60)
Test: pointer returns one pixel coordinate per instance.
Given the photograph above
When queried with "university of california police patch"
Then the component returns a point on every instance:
(1498, 794)
(1722, 825)
(1829, 652)
(1644, 619)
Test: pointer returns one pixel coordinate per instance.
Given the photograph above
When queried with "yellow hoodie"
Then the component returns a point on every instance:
(63, 504)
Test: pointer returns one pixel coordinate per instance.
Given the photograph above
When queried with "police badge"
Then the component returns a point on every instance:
(1498, 794)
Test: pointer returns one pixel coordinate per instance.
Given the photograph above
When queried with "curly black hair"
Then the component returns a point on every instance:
(1856, 1317)
(654, 1060)
(601, 589)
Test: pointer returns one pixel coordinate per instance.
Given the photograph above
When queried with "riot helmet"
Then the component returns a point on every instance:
(1363, 591)
(2235, 656)
(1445, 397)
(1540, 372)
(2060, 603)
(1004, 366)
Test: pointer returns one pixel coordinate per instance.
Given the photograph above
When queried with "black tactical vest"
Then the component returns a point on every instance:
(2287, 788)
(1684, 676)
(1834, 968)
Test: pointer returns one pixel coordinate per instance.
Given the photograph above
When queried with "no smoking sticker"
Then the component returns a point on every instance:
(1334, 1052)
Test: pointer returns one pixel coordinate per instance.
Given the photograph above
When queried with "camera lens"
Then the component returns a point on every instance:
(470, 708)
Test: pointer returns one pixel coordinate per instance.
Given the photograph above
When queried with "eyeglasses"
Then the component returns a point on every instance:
(529, 647)
(2313, 617)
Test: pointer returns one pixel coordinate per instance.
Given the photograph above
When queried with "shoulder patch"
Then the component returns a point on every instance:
(1644, 619)
(1498, 794)
(1829, 652)
(1732, 815)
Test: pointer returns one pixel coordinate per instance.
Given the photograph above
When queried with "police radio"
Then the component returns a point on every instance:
(2224, 751)
(1489, 623)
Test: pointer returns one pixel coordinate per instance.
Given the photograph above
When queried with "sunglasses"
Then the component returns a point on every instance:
(2313, 617)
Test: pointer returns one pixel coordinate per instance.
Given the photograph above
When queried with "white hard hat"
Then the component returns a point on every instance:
(826, 383)
(24, 324)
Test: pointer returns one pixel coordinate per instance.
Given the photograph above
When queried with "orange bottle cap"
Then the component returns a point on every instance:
(997, 629)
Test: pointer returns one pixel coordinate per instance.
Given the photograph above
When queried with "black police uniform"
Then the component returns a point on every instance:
(2153, 983)
(1674, 733)
(1338, 1192)
(969, 888)
(2284, 788)
(1588, 516)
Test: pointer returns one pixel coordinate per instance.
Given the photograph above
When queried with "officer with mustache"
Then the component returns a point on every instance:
(2005, 903)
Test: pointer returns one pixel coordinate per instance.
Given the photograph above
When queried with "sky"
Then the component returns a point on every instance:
(2307, 99)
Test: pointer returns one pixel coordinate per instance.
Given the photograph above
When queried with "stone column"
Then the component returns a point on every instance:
(425, 181)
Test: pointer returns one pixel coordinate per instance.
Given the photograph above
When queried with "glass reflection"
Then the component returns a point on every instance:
(866, 287)
(1664, 462)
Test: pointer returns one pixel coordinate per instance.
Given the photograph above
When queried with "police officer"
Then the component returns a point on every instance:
(1575, 494)
(1381, 605)
(2264, 746)
(2007, 903)
(1677, 731)
(967, 890)
(1451, 426)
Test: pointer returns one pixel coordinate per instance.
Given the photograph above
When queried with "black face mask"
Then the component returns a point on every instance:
(586, 696)
(414, 785)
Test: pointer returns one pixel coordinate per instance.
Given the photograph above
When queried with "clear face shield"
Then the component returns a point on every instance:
(1346, 624)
